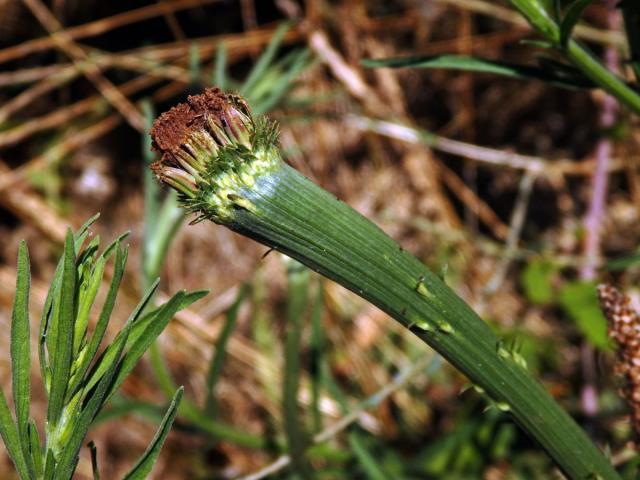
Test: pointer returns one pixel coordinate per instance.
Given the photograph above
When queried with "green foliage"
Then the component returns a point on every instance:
(77, 381)
(580, 302)
(571, 18)
(537, 281)
(553, 74)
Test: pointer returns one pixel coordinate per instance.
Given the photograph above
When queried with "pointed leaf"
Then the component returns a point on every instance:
(103, 321)
(144, 465)
(110, 355)
(9, 434)
(35, 449)
(20, 347)
(146, 333)
(481, 65)
(96, 399)
(60, 335)
(571, 18)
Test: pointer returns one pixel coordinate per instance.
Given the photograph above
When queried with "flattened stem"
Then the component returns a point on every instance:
(287, 212)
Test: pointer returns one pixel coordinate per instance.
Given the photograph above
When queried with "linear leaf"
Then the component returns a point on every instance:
(143, 466)
(103, 319)
(69, 455)
(35, 449)
(86, 300)
(94, 460)
(60, 334)
(571, 18)
(9, 433)
(110, 354)
(482, 65)
(142, 338)
(20, 347)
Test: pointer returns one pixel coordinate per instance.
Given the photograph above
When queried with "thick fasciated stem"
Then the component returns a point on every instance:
(228, 170)
(289, 213)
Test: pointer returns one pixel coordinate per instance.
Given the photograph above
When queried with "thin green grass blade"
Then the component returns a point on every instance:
(217, 359)
(366, 459)
(144, 465)
(60, 335)
(482, 65)
(220, 70)
(571, 18)
(285, 82)
(9, 433)
(21, 347)
(265, 59)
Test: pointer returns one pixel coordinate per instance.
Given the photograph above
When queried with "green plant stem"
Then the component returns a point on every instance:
(536, 14)
(286, 211)
(602, 76)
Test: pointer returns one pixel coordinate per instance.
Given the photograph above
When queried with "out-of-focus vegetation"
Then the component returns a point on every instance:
(489, 180)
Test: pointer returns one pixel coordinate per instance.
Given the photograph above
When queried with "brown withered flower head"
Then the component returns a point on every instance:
(212, 149)
(624, 329)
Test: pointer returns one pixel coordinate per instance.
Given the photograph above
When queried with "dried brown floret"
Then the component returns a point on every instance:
(624, 329)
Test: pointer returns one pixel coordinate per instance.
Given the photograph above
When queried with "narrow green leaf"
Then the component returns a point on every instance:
(622, 263)
(35, 449)
(49, 466)
(103, 320)
(366, 460)
(84, 229)
(86, 300)
(141, 339)
(481, 65)
(20, 347)
(571, 18)
(60, 335)
(110, 355)
(69, 456)
(217, 359)
(94, 460)
(219, 73)
(143, 466)
(9, 433)
(265, 59)
(284, 83)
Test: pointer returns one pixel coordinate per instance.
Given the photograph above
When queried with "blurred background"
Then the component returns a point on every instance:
(487, 180)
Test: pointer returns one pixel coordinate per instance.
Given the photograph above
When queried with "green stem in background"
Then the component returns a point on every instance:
(227, 168)
(536, 14)
(298, 290)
